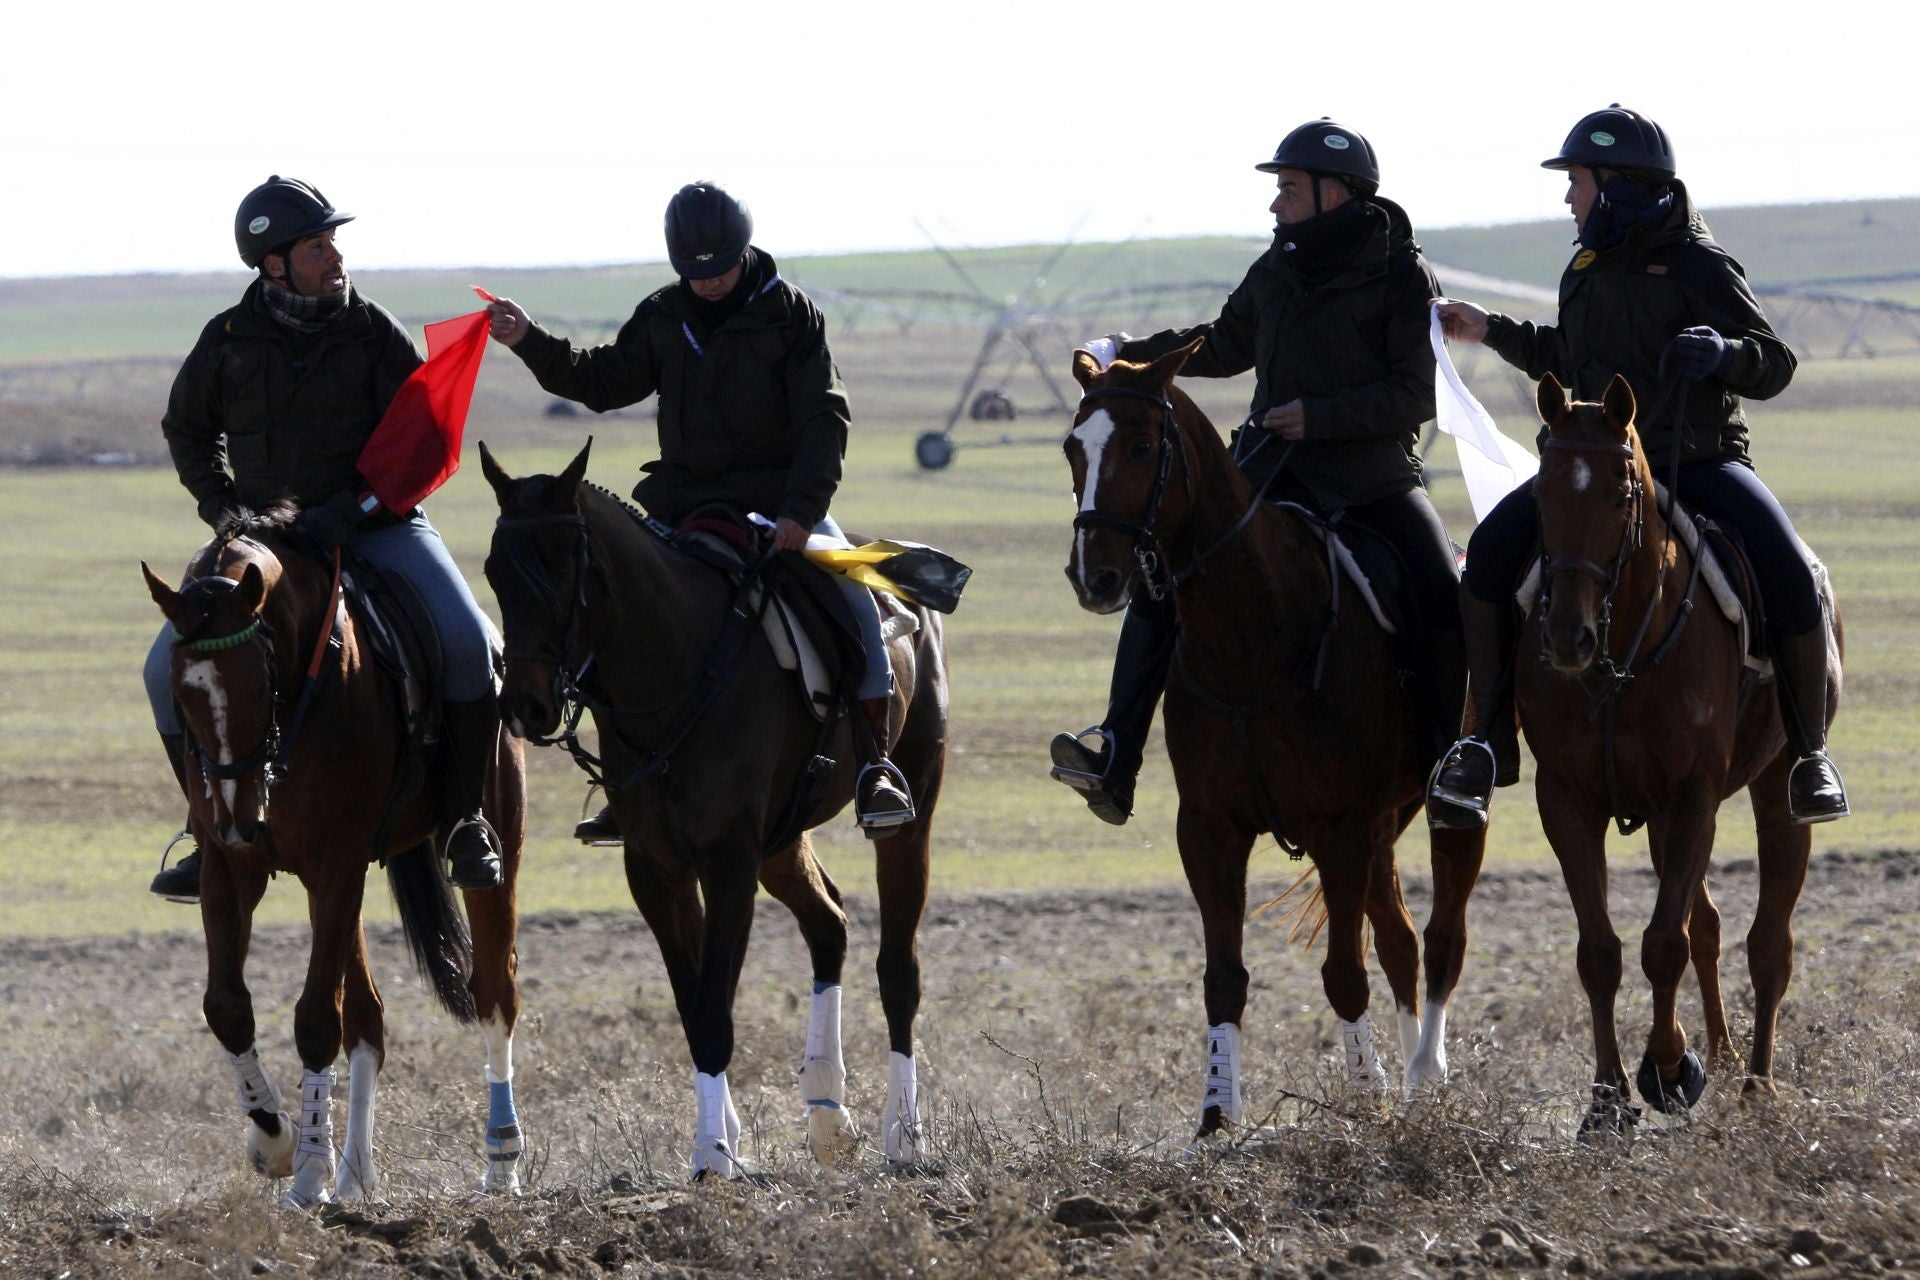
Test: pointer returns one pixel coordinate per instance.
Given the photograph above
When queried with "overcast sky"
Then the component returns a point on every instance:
(555, 133)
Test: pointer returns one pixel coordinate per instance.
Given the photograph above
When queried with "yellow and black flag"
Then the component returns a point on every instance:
(920, 574)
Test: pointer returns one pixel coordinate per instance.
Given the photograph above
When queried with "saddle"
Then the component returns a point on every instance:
(1370, 562)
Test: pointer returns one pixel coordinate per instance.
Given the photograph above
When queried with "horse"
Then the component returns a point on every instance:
(298, 764)
(702, 740)
(1637, 710)
(1282, 715)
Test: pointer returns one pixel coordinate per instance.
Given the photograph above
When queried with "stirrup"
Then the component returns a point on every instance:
(1807, 817)
(184, 834)
(590, 831)
(1451, 809)
(1074, 764)
(495, 850)
(891, 818)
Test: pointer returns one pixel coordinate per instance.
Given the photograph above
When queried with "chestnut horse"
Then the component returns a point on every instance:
(1282, 715)
(703, 739)
(297, 764)
(1637, 710)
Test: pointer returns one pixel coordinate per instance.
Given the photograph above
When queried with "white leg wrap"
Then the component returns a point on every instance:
(1223, 1073)
(270, 1154)
(1428, 1065)
(359, 1178)
(313, 1157)
(716, 1129)
(1363, 1063)
(900, 1134)
(823, 1082)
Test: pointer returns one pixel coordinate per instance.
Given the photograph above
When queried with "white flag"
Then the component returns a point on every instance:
(1491, 464)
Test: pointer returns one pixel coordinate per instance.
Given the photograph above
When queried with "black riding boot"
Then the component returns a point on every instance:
(1462, 785)
(1102, 762)
(1444, 700)
(1814, 790)
(881, 799)
(181, 881)
(468, 839)
(601, 829)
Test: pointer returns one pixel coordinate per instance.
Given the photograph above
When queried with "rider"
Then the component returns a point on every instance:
(752, 414)
(276, 400)
(1333, 321)
(1648, 293)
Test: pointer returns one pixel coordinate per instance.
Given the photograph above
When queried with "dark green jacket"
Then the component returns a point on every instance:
(260, 412)
(1620, 308)
(752, 414)
(1354, 349)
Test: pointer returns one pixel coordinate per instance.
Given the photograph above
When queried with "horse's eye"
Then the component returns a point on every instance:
(1138, 449)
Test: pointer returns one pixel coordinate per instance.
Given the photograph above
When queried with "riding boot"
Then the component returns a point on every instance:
(1102, 762)
(181, 881)
(468, 840)
(601, 829)
(1815, 792)
(881, 799)
(1443, 706)
(1488, 755)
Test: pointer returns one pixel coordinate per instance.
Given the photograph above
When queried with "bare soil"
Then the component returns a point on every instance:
(1061, 1048)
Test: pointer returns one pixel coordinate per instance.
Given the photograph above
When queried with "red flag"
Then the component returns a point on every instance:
(416, 447)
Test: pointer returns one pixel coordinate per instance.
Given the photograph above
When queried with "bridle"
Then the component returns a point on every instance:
(519, 555)
(1632, 535)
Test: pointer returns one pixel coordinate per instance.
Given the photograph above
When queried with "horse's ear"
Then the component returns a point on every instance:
(253, 588)
(163, 595)
(495, 475)
(1551, 400)
(577, 469)
(1162, 372)
(1085, 369)
(1618, 403)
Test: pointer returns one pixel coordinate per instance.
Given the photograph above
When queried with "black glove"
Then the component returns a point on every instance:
(1699, 353)
(332, 522)
(223, 510)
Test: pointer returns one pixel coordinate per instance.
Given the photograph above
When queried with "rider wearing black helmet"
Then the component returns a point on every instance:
(1650, 295)
(752, 414)
(1333, 321)
(276, 400)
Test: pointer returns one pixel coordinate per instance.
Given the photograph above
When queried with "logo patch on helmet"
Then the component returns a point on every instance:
(703, 257)
(1336, 142)
(1601, 138)
(259, 225)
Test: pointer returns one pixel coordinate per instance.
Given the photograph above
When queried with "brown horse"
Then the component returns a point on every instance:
(1637, 710)
(297, 750)
(703, 740)
(1283, 715)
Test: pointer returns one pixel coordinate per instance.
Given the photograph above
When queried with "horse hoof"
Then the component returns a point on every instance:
(500, 1180)
(354, 1186)
(271, 1154)
(1681, 1094)
(1609, 1116)
(1759, 1087)
(831, 1135)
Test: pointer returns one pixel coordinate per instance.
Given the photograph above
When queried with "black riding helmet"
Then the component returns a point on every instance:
(278, 212)
(1326, 149)
(1616, 138)
(707, 231)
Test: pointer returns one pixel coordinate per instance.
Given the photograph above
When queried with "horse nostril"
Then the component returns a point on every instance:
(1586, 642)
(1103, 582)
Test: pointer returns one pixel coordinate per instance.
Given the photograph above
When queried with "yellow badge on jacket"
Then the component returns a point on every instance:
(1584, 259)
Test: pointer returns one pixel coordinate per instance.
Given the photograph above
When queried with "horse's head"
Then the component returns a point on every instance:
(537, 568)
(1591, 490)
(226, 678)
(1122, 448)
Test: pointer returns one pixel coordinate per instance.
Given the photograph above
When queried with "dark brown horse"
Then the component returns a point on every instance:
(297, 749)
(1637, 710)
(701, 752)
(1333, 765)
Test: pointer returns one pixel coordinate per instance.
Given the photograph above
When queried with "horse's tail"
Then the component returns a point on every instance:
(435, 930)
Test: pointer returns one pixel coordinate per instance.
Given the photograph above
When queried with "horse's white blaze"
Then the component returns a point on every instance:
(358, 1175)
(202, 675)
(1093, 435)
(1363, 1061)
(900, 1122)
(499, 1048)
(1223, 1072)
(1429, 1062)
(1582, 475)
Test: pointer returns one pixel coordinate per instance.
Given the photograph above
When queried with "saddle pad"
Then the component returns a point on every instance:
(1349, 564)
(795, 651)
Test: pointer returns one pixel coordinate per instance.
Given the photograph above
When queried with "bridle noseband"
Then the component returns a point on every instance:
(268, 753)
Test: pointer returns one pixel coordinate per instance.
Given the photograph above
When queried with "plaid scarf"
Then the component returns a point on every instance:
(303, 313)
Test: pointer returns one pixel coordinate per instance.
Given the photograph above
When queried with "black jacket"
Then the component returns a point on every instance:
(260, 411)
(752, 413)
(1621, 307)
(1350, 340)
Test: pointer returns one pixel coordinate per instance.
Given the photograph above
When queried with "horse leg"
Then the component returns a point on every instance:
(1456, 856)
(1671, 1077)
(493, 920)
(1396, 946)
(1579, 843)
(1346, 865)
(1785, 850)
(727, 889)
(364, 1032)
(333, 909)
(1703, 940)
(795, 878)
(229, 892)
(1213, 852)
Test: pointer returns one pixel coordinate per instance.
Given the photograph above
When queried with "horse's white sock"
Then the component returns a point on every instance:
(1223, 1072)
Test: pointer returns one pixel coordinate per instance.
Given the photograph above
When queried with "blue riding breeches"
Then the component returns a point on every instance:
(413, 550)
(878, 680)
(1722, 489)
